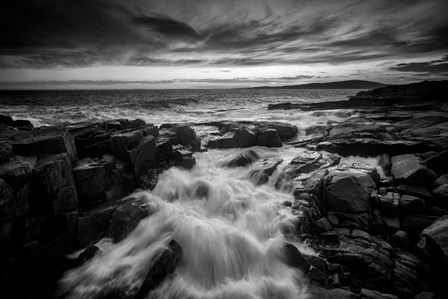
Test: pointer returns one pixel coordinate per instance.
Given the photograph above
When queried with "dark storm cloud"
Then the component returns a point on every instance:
(434, 67)
(79, 33)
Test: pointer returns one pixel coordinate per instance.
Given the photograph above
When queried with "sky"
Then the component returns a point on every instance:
(118, 44)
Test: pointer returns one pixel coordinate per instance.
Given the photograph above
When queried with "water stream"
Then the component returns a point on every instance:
(232, 233)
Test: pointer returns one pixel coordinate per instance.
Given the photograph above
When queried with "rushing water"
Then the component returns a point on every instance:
(231, 232)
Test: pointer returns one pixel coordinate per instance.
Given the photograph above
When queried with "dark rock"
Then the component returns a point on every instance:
(11, 207)
(323, 225)
(125, 218)
(441, 195)
(436, 211)
(284, 106)
(165, 265)
(411, 204)
(90, 177)
(184, 159)
(294, 258)
(226, 142)
(54, 140)
(244, 138)
(122, 141)
(349, 190)
(243, 159)
(437, 234)
(164, 149)
(263, 170)
(185, 135)
(389, 203)
(18, 170)
(425, 295)
(385, 164)
(5, 152)
(401, 239)
(7, 120)
(359, 221)
(410, 169)
(285, 131)
(143, 155)
(409, 274)
(55, 178)
(23, 124)
(438, 164)
(269, 138)
(443, 179)
(112, 125)
(321, 293)
(414, 224)
(86, 255)
(417, 191)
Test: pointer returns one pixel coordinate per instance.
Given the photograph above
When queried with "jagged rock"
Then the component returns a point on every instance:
(349, 190)
(122, 141)
(90, 177)
(294, 258)
(166, 264)
(125, 218)
(18, 169)
(184, 158)
(409, 273)
(164, 149)
(54, 174)
(389, 203)
(385, 164)
(263, 170)
(269, 138)
(143, 155)
(323, 225)
(5, 152)
(54, 140)
(11, 206)
(243, 159)
(417, 191)
(441, 195)
(410, 169)
(225, 142)
(359, 221)
(244, 138)
(411, 204)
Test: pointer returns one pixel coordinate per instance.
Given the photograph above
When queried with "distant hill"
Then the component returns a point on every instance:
(349, 84)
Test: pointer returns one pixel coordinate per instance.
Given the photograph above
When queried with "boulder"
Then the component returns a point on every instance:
(5, 152)
(18, 170)
(323, 225)
(243, 159)
(263, 170)
(184, 158)
(349, 190)
(125, 218)
(417, 191)
(294, 258)
(437, 237)
(401, 239)
(244, 138)
(389, 203)
(185, 135)
(441, 195)
(53, 140)
(438, 163)
(122, 141)
(164, 149)
(411, 170)
(269, 138)
(443, 179)
(225, 142)
(285, 131)
(414, 224)
(56, 182)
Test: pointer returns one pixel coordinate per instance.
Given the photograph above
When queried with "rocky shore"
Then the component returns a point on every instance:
(377, 234)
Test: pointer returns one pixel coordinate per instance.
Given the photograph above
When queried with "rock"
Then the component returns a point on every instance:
(143, 155)
(90, 177)
(5, 152)
(359, 221)
(166, 264)
(323, 225)
(122, 141)
(411, 170)
(55, 179)
(349, 190)
(321, 293)
(185, 135)
(443, 179)
(285, 131)
(294, 258)
(54, 140)
(425, 295)
(112, 125)
(184, 159)
(263, 170)
(18, 170)
(244, 159)
(417, 191)
(369, 294)
(414, 224)
(244, 138)
(269, 138)
(164, 149)
(401, 239)
(441, 195)
(437, 238)
(438, 163)
(11, 207)
(411, 204)
(125, 218)
(226, 142)
(389, 203)
(435, 211)
(385, 164)
(284, 106)
(409, 274)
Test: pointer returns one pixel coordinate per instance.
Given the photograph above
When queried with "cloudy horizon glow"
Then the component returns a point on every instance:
(91, 44)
